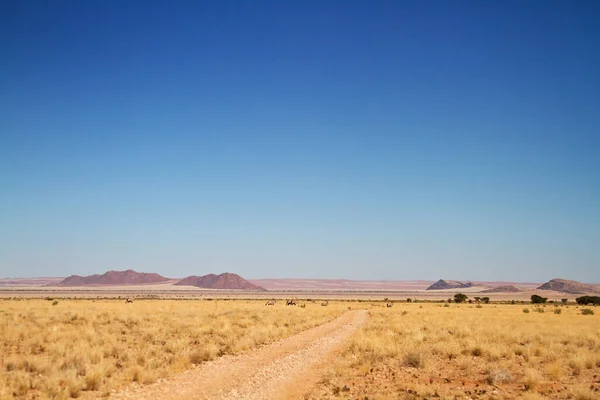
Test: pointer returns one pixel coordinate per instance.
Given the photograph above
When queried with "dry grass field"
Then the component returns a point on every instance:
(88, 348)
(418, 351)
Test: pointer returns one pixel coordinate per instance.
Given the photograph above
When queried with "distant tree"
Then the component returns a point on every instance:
(535, 299)
(486, 300)
(564, 301)
(449, 300)
(409, 300)
(470, 301)
(585, 300)
(477, 299)
(460, 297)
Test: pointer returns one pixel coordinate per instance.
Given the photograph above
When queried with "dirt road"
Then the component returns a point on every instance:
(283, 370)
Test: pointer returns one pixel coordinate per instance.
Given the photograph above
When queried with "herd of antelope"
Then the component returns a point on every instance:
(290, 302)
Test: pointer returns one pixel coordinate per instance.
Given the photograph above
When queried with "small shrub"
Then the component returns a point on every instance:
(446, 305)
(557, 311)
(478, 306)
(93, 381)
(74, 390)
(587, 311)
(540, 310)
(526, 310)
(55, 302)
(532, 379)
(497, 376)
(576, 367)
(414, 358)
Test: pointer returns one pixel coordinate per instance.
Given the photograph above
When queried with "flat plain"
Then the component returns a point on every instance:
(96, 348)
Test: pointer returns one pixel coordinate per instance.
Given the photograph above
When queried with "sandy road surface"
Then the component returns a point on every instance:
(282, 370)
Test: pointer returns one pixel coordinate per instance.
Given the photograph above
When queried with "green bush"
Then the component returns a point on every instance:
(460, 297)
(526, 310)
(587, 311)
(557, 311)
(585, 300)
(535, 299)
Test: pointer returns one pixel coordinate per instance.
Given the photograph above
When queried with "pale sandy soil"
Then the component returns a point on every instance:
(283, 370)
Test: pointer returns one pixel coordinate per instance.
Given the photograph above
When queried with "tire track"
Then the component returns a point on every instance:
(282, 369)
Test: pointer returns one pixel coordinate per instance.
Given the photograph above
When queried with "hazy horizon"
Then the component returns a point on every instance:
(343, 140)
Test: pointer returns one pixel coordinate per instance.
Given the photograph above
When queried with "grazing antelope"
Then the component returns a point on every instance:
(129, 300)
(325, 303)
(270, 303)
(388, 305)
(290, 303)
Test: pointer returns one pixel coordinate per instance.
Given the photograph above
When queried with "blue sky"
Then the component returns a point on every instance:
(322, 139)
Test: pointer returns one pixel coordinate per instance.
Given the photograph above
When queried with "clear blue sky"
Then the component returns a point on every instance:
(326, 139)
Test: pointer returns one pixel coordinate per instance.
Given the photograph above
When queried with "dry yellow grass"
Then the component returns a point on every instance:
(496, 351)
(86, 349)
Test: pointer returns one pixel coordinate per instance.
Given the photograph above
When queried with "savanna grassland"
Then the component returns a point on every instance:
(64, 349)
(418, 351)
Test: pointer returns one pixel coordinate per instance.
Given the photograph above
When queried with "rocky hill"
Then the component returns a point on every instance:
(223, 281)
(572, 287)
(443, 284)
(503, 289)
(129, 277)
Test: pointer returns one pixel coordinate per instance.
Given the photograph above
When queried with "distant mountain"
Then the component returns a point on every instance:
(129, 277)
(443, 284)
(223, 281)
(572, 287)
(503, 289)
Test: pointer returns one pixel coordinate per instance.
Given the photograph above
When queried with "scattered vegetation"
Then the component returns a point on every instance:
(464, 352)
(587, 311)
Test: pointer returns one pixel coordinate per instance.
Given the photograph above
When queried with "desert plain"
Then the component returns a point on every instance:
(378, 343)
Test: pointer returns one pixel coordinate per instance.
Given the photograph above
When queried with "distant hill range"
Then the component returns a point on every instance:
(503, 289)
(572, 287)
(223, 281)
(131, 278)
(443, 285)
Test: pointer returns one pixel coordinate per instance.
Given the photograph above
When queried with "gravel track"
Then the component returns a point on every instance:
(284, 369)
